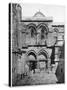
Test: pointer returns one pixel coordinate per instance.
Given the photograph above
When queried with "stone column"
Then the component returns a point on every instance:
(23, 63)
(49, 64)
(56, 62)
(19, 65)
(56, 58)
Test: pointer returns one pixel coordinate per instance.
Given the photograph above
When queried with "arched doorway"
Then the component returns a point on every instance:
(43, 59)
(32, 60)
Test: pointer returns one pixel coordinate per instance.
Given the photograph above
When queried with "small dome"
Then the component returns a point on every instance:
(39, 14)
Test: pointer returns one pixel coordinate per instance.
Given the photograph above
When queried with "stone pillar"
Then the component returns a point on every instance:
(56, 57)
(19, 63)
(56, 62)
(49, 64)
(23, 63)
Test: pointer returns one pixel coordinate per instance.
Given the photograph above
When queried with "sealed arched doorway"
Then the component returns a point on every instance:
(32, 60)
(43, 59)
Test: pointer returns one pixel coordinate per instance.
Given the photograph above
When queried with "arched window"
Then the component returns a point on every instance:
(32, 28)
(43, 32)
(33, 32)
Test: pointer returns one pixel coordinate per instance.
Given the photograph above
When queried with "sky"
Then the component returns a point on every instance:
(57, 12)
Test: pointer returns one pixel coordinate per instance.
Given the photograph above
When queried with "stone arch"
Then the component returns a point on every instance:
(32, 28)
(43, 58)
(31, 60)
(43, 25)
(31, 24)
(31, 52)
(43, 52)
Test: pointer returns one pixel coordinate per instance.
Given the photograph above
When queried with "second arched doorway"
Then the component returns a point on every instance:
(43, 59)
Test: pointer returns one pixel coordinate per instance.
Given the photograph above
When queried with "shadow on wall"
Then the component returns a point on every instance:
(60, 72)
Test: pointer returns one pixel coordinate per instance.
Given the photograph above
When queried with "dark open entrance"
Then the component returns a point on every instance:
(32, 60)
(32, 65)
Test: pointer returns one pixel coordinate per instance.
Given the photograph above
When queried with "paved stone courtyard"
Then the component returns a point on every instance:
(38, 79)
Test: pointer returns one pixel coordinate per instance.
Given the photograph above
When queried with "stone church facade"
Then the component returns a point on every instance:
(37, 42)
